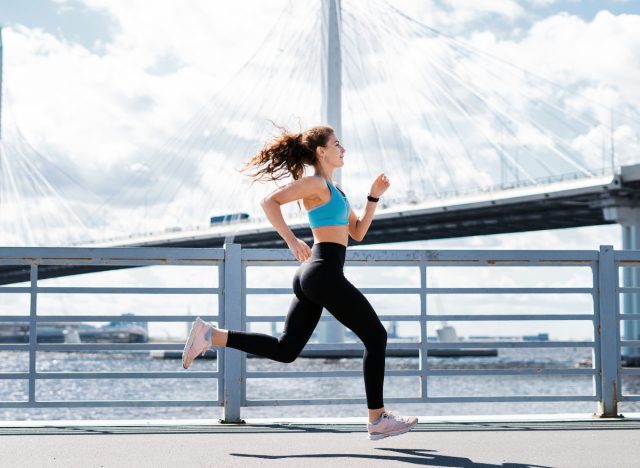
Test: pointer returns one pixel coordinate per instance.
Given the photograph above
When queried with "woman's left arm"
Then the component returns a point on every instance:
(358, 227)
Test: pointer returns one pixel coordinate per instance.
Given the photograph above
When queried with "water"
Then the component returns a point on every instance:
(185, 389)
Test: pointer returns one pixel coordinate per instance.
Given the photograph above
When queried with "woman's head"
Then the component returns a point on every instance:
(288, 153)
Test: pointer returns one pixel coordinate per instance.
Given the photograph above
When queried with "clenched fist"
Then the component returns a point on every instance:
(379, 186)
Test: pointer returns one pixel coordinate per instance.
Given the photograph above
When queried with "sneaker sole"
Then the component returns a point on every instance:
(391, 434)
(189, 344)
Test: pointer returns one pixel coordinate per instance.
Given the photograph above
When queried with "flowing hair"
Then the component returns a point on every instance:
(287, 154)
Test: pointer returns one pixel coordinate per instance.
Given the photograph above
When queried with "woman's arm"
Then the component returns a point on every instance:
(274, 215)
(301, 188)
(358, 227)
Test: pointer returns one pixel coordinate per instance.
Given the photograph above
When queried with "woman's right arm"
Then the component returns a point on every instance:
(301, 188)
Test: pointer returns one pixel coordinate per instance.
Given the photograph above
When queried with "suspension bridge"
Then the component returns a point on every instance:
(474, 144)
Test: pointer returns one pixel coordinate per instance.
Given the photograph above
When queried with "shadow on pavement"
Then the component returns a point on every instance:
(412, 456)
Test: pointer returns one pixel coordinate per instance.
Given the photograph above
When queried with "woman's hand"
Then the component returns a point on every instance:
(300, 249)
(379, 186)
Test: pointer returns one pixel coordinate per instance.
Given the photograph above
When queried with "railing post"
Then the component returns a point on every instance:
(232, 293)
(608, 334)
(33, 331)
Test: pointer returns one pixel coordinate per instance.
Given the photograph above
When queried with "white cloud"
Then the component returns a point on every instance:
(457, 16)
(110, 109)
(568, 50)
(542, 3)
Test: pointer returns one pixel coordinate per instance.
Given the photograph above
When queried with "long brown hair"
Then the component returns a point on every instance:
(287, 154)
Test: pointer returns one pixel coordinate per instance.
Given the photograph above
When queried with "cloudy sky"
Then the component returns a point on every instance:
(111, 93)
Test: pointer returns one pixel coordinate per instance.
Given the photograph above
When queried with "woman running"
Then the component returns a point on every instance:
(319, 282)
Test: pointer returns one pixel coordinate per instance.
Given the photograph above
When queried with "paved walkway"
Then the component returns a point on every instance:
(339, 443)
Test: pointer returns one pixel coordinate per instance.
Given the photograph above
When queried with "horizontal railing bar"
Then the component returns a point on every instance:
(359, 346)
(118, 290)
(109, 404)
(512, 399)
(324, 401)
(106, 318)
(630, 398)
(323, 374)
(318, 346)
(327, 318)
(108, 346)
(488, 372)
(433, 372)
(280, 318)
(442, 290)
(14, 347)
(14, 290)
(628, 316)
(304, 374)
(14, 375)
(626, 255)
(440, 318)
(509, 290)
(509, 263)
(160, 254)
(630, 371)
(497, 399)
(111, 375)
(628, 289)
(347, 263)
(19, 255)
(630, 343)
(510, 344)
(510, 317)
(431, 264)
(64, 262)
(128, 375)
(363, 290)
(490, 257)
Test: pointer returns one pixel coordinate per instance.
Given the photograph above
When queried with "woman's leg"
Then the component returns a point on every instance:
(351, 308)
(301, 320)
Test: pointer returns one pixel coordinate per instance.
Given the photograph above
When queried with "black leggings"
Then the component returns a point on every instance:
(318, 283)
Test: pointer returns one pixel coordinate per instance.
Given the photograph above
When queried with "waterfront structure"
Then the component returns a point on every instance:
(605, 371)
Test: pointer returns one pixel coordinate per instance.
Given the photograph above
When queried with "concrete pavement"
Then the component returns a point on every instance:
(332, 443)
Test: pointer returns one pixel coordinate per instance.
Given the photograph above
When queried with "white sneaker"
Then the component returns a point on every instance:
(197, 342)
(391, 424)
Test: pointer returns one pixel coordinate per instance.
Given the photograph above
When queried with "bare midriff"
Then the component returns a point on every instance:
(338, 234)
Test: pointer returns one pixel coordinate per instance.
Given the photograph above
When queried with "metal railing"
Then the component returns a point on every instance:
(232, 262)
(32, 258)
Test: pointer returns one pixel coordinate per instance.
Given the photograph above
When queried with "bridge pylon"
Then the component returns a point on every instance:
(332, 332)
(628, 216)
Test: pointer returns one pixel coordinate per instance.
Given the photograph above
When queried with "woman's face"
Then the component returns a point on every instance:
(333, 153)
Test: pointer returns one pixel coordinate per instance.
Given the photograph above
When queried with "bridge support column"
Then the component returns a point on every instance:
(332, 332)
(629, 218)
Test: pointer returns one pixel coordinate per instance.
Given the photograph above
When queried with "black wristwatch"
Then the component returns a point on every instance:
(372, 199)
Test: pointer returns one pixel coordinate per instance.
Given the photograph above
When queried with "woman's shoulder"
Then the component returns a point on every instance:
(315, 187)
(314, 180)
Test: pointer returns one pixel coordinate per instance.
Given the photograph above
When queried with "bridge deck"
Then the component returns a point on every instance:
(456, 442)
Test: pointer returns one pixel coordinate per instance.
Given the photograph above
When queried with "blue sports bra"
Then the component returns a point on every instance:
(335, 212)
